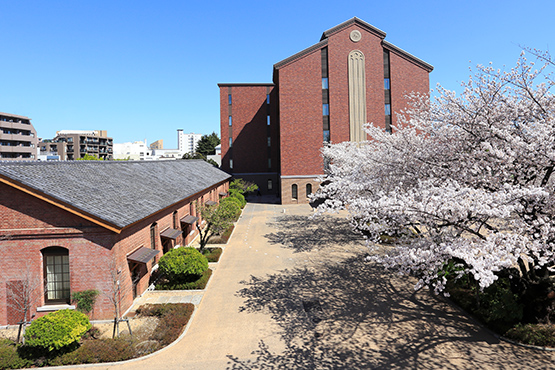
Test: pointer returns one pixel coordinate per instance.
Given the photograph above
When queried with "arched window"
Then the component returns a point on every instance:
(56, 275)
(308, 190)
(175, 220)
(294, 191)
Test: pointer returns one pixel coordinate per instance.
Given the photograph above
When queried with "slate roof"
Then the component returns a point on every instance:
(118, 192)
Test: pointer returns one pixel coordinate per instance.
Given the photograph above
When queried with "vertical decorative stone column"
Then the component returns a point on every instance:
(357, 96)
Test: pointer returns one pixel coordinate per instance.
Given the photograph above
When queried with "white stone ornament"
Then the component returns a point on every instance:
(355, 36)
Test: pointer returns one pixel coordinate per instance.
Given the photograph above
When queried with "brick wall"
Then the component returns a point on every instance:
(97, 256)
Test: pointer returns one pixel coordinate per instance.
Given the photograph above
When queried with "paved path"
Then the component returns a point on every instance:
(290, 293)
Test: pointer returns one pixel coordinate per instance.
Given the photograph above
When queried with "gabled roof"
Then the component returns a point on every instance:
(359, 22)
(363, 25)
(114, 194)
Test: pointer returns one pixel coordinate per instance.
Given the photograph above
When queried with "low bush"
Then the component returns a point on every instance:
(98, 350)
(213, 254)
(535, 334)
(173, 319)
(198, 284)
(57, 330)
(239, 196)
(224, 238)
(184, 264)
(9, 356)
(233, 200)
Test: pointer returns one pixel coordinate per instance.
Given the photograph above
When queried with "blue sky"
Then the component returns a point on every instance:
(143, 69)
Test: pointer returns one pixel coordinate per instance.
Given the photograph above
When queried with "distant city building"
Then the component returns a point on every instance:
(137, 150)
(218, 156)
(18, 138)
(187, 143)
(75, 144)
(158, 144)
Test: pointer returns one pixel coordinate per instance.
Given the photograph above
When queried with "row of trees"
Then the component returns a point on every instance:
(463, 184)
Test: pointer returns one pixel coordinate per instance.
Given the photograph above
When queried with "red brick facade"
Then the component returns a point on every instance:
(97, 255)
(299, 105)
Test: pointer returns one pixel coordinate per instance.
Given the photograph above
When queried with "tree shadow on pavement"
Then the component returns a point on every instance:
(350, 314)
(303, 234)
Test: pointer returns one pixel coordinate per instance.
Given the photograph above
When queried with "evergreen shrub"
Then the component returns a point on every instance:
(57, 330)
(183, 264)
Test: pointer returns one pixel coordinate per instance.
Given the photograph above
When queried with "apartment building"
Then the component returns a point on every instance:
(187, 143)
(75, 144)
(18, 138)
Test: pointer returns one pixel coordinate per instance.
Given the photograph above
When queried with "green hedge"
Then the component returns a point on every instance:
(213, 254)
(57, 330)
(198, 284)
(183, 264)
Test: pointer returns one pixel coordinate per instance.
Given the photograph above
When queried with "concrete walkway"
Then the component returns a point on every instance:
(292, 293)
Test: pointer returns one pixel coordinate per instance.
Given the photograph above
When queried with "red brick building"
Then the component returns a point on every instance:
(72, 226)
(272, 133)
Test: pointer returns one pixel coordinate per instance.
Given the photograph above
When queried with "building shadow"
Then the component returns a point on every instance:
(346, 313)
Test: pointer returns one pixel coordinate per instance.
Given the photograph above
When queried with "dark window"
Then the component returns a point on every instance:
(326, 136)
(269, 141)
(231, 163)
(326, 109)
(175, 221)
(308, 189)
(325, 83)
(267, 98)
(56, 275)
(229, 98)
(269, 163)
(386, 83)
(388, 109)
(270, 185)
(153, 236)
(268, 120)
(230, 120)
(230, 142)
(294, 191)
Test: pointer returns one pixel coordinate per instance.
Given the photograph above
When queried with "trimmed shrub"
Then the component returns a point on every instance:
(198, 284)
(9, 358)
(229, 211)
(57, 330)
(182, 264)
(239, 196)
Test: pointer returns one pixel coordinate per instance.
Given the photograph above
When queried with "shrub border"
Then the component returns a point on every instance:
(494, 334)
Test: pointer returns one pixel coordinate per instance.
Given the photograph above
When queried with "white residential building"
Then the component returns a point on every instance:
(137, 150)
(187, 143)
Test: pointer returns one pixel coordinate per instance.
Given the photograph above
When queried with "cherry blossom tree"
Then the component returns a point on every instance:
(465, 179)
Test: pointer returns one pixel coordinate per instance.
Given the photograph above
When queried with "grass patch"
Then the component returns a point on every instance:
(172, 319)
(198, 284)
(213, 254)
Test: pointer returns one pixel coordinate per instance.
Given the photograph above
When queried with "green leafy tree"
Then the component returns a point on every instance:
(89, 157)
(199, 156)
(219, 218)
(207, 144)
(242, 186)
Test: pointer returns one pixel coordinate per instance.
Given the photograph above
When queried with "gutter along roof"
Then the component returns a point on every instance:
(112, 194)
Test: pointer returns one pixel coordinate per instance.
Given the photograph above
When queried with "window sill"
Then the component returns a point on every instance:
(55, 307)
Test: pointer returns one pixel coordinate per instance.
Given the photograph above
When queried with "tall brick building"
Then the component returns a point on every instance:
(79, 225)
(272, 133)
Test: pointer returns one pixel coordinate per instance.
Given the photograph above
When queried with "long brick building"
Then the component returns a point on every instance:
(72, 226)
(272, 133)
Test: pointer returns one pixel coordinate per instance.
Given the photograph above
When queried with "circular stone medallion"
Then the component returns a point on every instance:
(355, 36)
